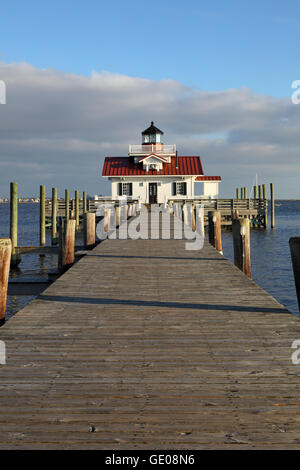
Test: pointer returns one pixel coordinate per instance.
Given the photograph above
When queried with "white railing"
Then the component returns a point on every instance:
(159, 149)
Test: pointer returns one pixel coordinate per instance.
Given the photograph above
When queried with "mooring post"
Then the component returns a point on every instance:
(241, 245)
(5, 259)
(77, 209)
(42, 215)
(89, 219)
(67, 204)
(218, 231)
(67, 243)
(117, 208)
(245, 233)
(193, 218)
(107, 220)
(265, 202)
(53, 217)
(294, 243)
(259, 192)
(214, 230)
(15, 258)
(84, 209)
(200, 221)
(272, 205)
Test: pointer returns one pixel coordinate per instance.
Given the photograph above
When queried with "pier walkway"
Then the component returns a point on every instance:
(144, 345)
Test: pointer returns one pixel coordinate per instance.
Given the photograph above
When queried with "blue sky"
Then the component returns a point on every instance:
(85, 78)
(208, 45)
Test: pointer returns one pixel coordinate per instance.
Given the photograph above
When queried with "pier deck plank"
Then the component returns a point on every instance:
(145, 345)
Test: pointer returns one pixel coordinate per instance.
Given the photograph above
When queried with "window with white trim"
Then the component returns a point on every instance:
(181, 188)
(125, 189)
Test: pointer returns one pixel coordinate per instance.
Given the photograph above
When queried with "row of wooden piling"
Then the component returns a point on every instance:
(240, 236)
(15, 257)
(260, 192)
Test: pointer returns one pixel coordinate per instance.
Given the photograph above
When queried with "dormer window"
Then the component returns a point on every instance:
(153, 166)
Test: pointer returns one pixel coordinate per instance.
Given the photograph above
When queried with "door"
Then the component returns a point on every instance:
(152, 193)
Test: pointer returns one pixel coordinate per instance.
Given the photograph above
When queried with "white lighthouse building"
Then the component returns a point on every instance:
(153, 172)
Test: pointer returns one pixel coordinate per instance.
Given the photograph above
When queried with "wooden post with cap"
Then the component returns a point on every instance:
(89, 219)
(5, 258)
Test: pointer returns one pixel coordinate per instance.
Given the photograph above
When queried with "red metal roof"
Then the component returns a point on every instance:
(124, 166)
(208, 178)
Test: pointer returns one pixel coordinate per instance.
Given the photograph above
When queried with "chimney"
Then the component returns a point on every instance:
(176, 160)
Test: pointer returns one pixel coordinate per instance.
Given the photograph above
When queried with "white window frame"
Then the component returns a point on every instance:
(180, 188)
(126, 189)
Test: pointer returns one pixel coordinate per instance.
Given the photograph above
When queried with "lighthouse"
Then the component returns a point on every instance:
(153, 172)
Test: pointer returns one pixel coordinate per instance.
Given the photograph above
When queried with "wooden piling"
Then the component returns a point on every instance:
(241, 245)
(294, 243)
(15, 258)
(84, 202)
(53, 217)
(193, 218)
(117, 208)
(77, 209)
(5, 258)
(264, 192)
(89, 229)
(272, 205)
(259, 191)
(67, 243)
(107, 220)
(42, 215)
(67, 204)
(214, 230)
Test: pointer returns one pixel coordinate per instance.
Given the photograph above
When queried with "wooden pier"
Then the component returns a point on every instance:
(145, 345)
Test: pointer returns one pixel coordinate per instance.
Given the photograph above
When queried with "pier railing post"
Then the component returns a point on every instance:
(42, 215)
(241, 245)
(294, 243)
(272, 205)
(53, 217)
(89, 229)
(5, 258)
(67, 243)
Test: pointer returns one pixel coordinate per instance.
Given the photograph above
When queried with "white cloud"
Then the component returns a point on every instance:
(56, 129)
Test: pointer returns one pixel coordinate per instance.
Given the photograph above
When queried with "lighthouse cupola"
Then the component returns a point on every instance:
(152, 135)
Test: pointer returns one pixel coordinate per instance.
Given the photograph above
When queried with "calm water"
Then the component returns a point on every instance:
(270, 256)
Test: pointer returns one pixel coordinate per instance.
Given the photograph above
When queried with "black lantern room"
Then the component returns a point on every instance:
(152, 135)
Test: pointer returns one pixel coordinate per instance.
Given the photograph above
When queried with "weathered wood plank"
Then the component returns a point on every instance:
(152, 346)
